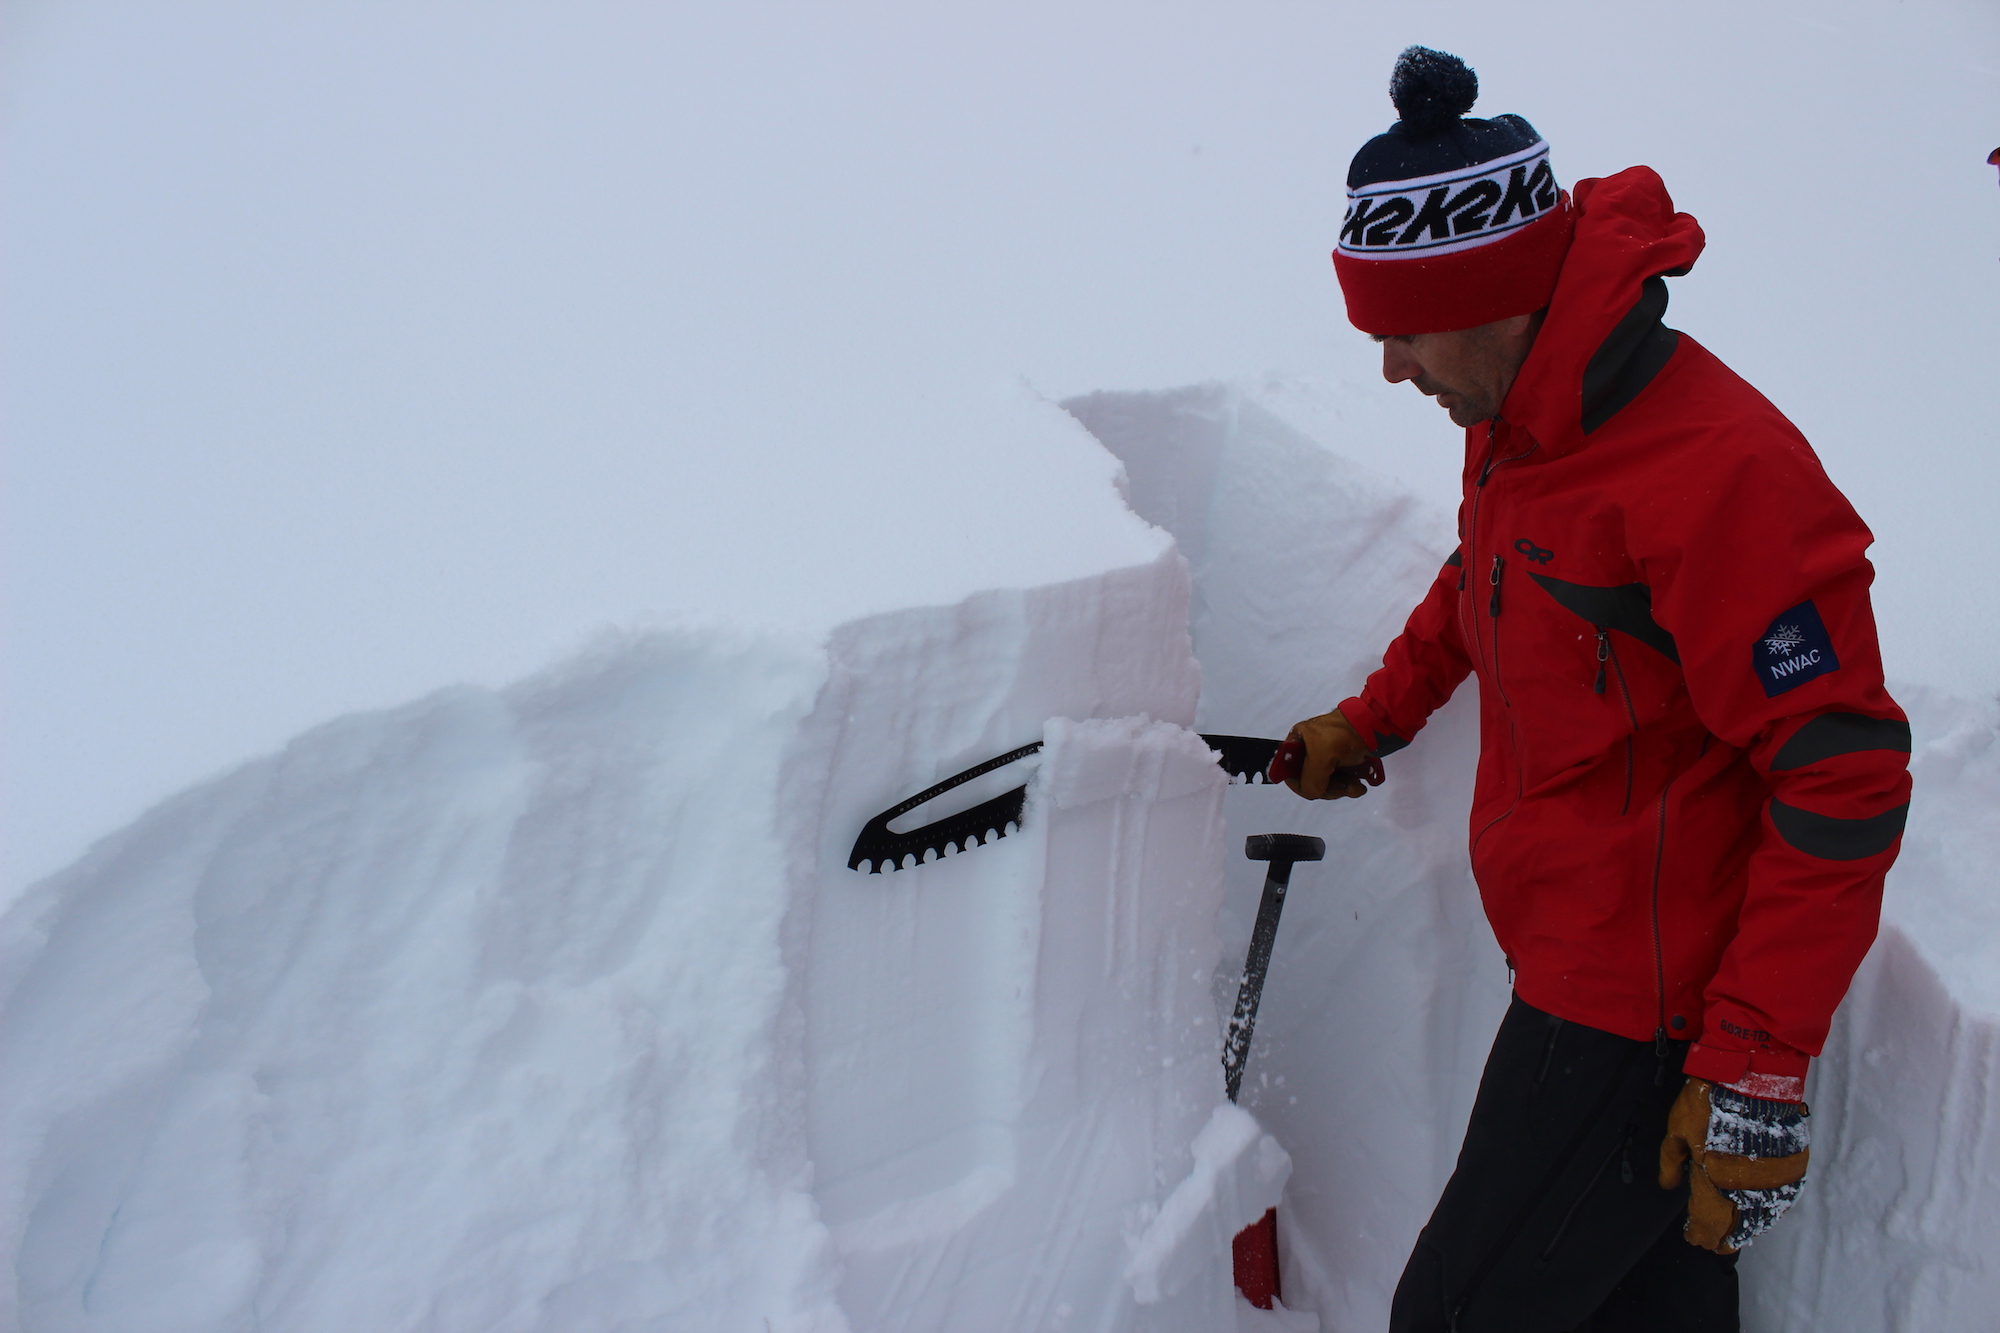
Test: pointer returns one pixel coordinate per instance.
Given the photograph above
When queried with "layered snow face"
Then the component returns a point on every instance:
(557, 1007)
(1386, 987)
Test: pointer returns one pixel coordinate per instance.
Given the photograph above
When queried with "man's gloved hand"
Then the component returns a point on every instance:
(1331, 742)
(1749, 1162)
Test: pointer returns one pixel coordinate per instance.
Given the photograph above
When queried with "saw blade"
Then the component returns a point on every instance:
(879, 848)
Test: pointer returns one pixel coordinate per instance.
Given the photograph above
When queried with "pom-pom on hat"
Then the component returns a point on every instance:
(1451, 222)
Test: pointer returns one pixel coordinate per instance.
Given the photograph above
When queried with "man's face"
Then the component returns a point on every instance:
(1468, 371)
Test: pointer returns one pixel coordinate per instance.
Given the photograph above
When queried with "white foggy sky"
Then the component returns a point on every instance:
(356, 350)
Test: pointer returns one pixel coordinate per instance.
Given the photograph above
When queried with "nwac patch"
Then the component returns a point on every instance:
(1793, 650)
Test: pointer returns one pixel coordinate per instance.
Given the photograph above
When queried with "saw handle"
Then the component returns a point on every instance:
(1289, 764)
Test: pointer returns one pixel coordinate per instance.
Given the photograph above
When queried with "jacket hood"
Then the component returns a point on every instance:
(1603, 332)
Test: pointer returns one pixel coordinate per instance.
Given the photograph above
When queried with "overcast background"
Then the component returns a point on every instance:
(351, 351)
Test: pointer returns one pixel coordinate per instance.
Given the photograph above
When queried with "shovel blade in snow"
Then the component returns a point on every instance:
(879, 848)
(1254, 1253)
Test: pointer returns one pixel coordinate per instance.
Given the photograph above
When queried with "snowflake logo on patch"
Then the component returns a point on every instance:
(1784, 638)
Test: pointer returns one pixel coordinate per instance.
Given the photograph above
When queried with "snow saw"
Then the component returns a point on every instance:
(879, 848)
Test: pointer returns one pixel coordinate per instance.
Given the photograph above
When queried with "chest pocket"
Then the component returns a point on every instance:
(1627, 608)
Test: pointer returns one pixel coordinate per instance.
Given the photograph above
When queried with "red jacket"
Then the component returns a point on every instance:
(1691, 779)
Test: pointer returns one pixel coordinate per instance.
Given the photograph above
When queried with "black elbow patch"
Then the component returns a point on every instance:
(1385, 744)
(1833, 839)
(1832, 734)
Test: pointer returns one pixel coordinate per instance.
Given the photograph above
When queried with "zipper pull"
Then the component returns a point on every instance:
(1487, 470)
(1660, 1050)
(1603, 653)
(1493, 606)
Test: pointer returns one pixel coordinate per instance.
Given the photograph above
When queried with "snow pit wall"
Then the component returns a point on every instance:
(557, 1008)
(1386, 986)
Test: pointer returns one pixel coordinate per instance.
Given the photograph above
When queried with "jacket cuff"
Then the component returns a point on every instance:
(1770, 1073)
(1366, 721)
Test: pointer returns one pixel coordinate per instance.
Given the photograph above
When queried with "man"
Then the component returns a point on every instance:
(1691, 780)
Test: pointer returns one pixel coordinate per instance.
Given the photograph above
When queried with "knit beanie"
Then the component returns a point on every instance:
(1451, 223)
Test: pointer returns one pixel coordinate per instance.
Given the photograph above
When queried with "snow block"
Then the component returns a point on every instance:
(1011, 1051)
(556, 1008)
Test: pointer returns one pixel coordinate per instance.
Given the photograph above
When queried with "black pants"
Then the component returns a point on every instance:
(1554, 1220)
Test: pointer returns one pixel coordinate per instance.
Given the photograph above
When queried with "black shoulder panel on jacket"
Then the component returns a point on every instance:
(1635, 351)
(1627, 608)
(1832, 734)
(1833, 839)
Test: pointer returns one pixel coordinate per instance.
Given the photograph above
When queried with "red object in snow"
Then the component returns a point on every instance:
(1255, 1250)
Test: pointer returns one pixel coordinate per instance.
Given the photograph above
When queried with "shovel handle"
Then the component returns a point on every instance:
(1289, 764)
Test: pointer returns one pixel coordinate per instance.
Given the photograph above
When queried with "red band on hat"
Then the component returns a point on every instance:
(1461, 290)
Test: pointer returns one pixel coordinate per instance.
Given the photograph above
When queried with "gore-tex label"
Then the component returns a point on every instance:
(1793, 650)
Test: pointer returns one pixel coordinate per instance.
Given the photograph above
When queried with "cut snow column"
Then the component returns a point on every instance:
(1011, 1052)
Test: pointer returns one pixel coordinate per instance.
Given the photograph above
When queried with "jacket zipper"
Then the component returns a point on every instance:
(1606, 652)
(1471, 543)
(1659, 953)
(1470, 547)
(1493, 614)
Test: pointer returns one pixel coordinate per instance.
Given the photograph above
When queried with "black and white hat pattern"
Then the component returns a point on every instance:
(1451, 210)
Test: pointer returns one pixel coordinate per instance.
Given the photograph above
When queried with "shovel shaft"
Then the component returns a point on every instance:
(1243, 1022)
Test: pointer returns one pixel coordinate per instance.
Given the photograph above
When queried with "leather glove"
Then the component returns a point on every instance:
(1749, 1160)
(1331, 742)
